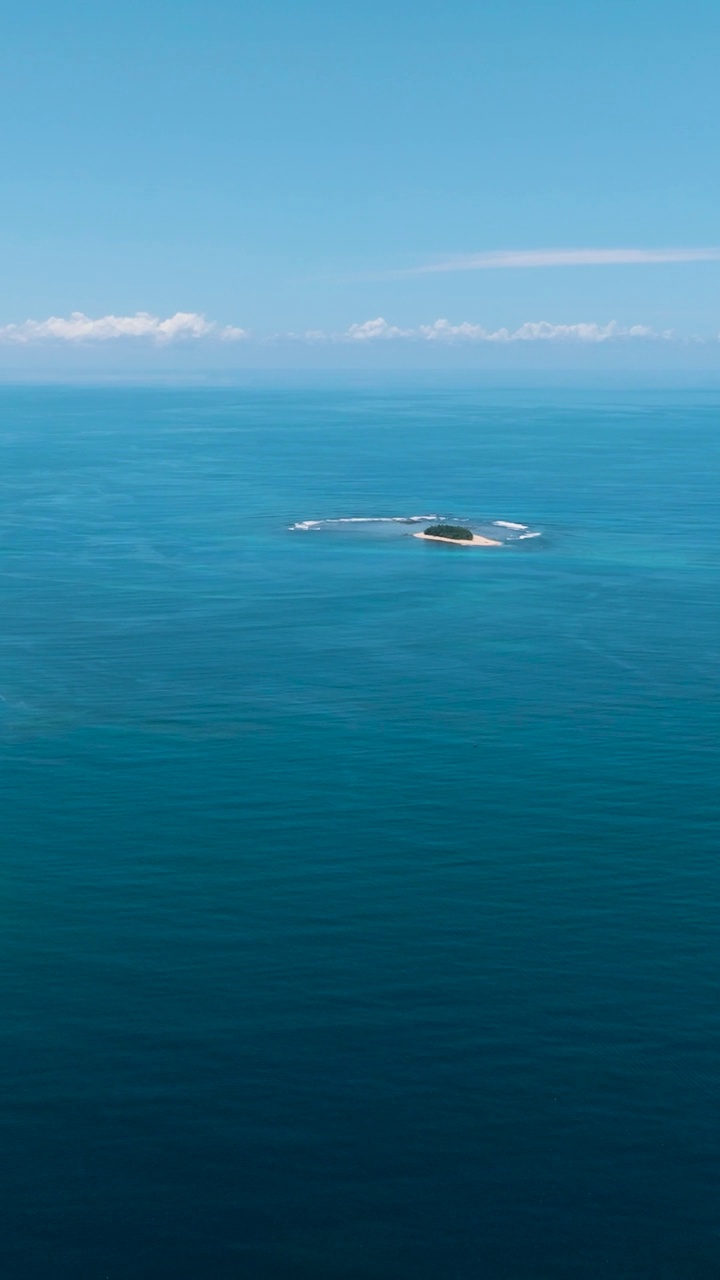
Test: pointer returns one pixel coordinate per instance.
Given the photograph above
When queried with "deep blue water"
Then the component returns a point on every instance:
(360, 897)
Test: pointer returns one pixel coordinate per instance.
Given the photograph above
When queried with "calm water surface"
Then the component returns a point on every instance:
(360, 897)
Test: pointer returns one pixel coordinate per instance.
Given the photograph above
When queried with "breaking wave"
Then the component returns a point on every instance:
(319, 524)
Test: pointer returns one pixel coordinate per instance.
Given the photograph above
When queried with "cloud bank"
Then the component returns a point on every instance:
(79, 328)
(532, 331)
(189, 326)
(519, 258)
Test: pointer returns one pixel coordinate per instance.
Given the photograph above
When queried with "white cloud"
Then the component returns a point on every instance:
(443, 331)
(532, 331)
(231, 333)
(373, 329)
(81, 328)
(543, 331)
(518, 258)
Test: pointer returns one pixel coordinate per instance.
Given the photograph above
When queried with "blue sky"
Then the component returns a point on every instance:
(284, 169)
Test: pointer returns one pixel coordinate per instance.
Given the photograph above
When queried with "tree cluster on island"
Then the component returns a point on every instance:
(454, 531)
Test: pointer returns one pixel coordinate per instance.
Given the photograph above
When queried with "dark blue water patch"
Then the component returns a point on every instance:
(359, 907)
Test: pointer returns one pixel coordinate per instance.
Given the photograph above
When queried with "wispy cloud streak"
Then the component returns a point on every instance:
(524, 258)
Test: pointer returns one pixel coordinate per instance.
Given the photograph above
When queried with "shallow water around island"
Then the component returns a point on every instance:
(359, 896)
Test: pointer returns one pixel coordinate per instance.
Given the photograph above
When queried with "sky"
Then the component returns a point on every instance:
(229, 184)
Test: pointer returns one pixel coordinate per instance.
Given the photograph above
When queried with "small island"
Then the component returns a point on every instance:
(457, 534)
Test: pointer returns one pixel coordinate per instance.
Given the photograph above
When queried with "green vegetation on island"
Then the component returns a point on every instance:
(454, 531)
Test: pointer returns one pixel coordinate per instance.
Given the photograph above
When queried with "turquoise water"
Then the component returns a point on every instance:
(359, 896)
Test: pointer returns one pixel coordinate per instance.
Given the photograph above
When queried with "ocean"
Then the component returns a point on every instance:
(360, 895)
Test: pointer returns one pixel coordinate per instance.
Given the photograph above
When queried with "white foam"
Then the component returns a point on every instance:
(377, 519)
(307, 525)
(316, 524)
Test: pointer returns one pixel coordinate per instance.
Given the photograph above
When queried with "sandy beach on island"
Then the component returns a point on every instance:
(477, 541)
